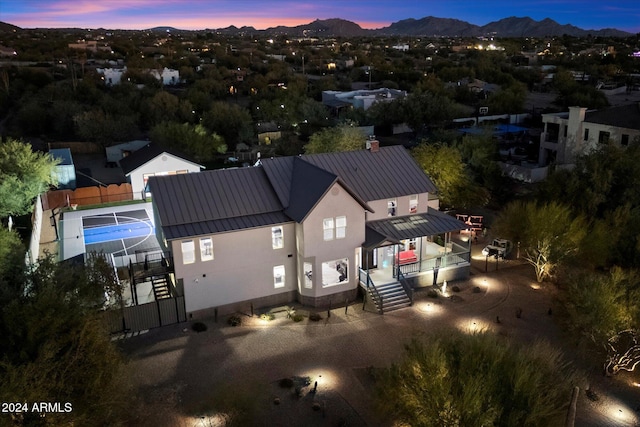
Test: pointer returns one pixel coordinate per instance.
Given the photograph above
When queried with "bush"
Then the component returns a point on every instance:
(477, 290)
(315, 317)
(432, 293)
(199, 327)
(455, 289)
(297, 317)
(235, 320)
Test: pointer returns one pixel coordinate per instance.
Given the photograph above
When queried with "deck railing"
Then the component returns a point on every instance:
(458, 255)
(405, 285)
(365, 279)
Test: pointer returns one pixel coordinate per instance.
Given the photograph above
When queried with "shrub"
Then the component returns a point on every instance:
(297, 317)
(199, 327)
(455, 289)
(235, 320)
(315, 317)
(477, 290)
(432, 293)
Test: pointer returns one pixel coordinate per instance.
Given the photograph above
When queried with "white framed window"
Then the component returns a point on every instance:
(278, 276)
(335, 272)
(391, 208)
(206, 249)
(341, 227)
(277, 237)
(328, 227)
(188, 252)
(413, 204)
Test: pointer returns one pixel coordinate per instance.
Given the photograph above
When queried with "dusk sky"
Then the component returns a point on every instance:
(261, 14)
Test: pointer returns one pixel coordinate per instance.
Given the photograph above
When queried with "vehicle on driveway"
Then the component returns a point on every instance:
(500, 248)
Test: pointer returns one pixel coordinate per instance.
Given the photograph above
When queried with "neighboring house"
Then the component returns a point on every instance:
(117, 152)
(65, 170)
(363, 99)
(111, 76)
(167, 76)
(570, 134)
(153, 160)
(310, 228)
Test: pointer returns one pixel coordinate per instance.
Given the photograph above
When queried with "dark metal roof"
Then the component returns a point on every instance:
(624, 116)
(63, 155)
(431, 223)
(223, 225)
(374, 239)
(388, 173)
(279, 170)
(146, 154)
(281, 190)
(213, 195)
(308, 184)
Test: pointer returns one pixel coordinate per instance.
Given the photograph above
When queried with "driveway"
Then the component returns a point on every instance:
(180, 372)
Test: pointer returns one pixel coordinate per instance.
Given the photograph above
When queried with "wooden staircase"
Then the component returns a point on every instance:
(160, 287)
(393, 297)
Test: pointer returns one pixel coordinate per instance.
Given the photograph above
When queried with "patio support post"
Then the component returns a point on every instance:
(420, 258)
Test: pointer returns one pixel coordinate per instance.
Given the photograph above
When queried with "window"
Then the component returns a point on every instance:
(391, 208)
(624, 140)
(335, 272)
(413, 204)
(206, 249)
(586, 134)
(277, 241)
(341, 227)
(327, 225)
(188, 252)
(603, 137)
(278, 276)
(308, 275)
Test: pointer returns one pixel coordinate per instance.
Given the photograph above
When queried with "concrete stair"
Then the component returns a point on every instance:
(393, 297)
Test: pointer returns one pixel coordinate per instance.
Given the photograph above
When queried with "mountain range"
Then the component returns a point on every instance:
(429, 26)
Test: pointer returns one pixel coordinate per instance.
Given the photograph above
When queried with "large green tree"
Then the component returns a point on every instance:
(445, 167)
(600, 305)
(193, 140)
(547, 234)
(23, 175)
(341, 138)
(476, 380)
(54, 347)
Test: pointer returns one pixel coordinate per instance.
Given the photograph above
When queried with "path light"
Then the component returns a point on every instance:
(430, 309)
(620, 412)
(473, 325)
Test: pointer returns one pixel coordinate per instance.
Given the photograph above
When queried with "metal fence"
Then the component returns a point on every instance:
(137, 318)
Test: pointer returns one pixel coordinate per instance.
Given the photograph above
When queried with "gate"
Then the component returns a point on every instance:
(166, 311)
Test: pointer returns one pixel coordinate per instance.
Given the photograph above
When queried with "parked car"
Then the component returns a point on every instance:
(499, 247)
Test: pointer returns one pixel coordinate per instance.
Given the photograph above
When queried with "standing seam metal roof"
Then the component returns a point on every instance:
(213, 195)
(389, 172)
(431, 223)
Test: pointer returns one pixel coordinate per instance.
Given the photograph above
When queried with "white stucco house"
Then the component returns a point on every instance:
(363, 99)
(314, 229)
(569, 134)
(153, 160)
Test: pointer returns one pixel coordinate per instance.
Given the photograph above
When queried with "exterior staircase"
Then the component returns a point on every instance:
(393, 297)
(160, 287)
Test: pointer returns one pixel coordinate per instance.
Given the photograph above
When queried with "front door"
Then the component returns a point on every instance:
(372, 259)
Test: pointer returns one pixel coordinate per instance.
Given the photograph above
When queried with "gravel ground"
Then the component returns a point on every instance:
(180, 372)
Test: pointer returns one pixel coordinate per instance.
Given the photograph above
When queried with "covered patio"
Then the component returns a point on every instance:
(424, 249)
